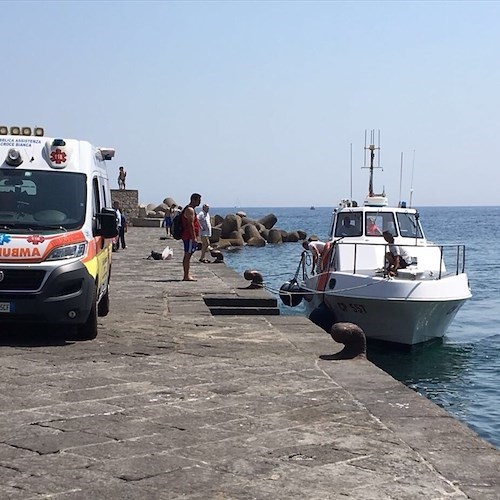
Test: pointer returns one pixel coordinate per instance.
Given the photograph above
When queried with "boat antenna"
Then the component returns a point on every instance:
(372, 148)
(364, 159)
(400, 178)
(351, 174)
(411, 184)
(378, 166)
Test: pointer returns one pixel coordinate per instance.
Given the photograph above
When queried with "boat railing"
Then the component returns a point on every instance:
(430, 258)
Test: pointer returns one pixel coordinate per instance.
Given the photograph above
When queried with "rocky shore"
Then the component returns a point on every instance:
(234, 229)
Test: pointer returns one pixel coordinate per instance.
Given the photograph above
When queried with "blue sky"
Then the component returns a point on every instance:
(257, 103)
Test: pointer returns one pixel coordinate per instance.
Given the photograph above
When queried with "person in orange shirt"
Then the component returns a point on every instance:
(372, 229)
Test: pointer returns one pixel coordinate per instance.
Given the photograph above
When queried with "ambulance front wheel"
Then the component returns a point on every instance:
(88, 330)
(103, 307)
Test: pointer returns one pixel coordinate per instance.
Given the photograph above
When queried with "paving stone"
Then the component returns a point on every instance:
(170, 402)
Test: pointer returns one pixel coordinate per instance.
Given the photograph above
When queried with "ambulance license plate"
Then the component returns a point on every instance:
(5, 307)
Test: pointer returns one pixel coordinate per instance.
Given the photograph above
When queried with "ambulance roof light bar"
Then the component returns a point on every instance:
(26, 131)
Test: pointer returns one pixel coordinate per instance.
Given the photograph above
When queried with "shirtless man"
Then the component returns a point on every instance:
(122, 175)
(190, 233)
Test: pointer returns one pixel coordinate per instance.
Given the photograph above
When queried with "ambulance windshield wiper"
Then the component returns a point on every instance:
(17, 225)
(47, 226)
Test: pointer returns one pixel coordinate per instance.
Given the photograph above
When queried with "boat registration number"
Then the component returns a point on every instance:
(5, 307)
(357, 308)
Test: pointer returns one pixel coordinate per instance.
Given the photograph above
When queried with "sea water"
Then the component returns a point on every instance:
(461, 373)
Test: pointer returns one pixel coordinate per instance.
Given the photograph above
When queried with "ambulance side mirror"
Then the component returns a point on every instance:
(106, 224)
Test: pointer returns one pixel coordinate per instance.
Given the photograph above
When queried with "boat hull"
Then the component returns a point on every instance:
(399, 311)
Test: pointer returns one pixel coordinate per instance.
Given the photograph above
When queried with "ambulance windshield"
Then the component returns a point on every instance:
(40, 200)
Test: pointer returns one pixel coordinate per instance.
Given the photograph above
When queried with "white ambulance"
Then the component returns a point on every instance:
(56, 231)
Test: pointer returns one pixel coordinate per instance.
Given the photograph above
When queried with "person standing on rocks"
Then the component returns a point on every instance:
(205, 231)
(190, 233)
(122, 175)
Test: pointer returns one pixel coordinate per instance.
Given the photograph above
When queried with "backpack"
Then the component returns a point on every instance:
(155, 255)
(177, 226)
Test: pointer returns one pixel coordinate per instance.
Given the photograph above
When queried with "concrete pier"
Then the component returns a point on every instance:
(171, 401)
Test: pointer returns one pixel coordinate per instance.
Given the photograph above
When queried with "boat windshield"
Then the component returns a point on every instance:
(41, 200)
(348, 224)
(409, 226)
(378, 222)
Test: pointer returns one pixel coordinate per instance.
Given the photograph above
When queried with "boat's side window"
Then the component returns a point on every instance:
(378, 222)
(409, 226)
(348, 224)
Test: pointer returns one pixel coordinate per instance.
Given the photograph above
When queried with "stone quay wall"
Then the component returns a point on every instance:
(129, 202)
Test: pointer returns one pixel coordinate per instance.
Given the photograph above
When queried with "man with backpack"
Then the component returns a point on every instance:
(190, 233)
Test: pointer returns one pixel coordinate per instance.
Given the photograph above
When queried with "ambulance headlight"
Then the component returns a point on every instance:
(13, 158)
(68, 252)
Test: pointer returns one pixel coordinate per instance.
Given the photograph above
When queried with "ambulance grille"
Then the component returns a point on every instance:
(21, 279)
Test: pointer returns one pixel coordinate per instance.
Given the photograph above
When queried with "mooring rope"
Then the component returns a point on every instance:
(312, 291)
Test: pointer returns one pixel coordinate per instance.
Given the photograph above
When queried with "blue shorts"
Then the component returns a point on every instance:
(190, 246)
(168, 222)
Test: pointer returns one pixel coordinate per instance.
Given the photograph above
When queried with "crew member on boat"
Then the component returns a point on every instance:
(347, 228)
(316, 248)
(397, 257)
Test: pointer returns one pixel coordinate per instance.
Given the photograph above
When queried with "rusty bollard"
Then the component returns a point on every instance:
(255, 277)
(217, 255)
(353, 338)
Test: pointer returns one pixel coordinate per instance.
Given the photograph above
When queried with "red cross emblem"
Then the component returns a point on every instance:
(58, 156)
(35, 239)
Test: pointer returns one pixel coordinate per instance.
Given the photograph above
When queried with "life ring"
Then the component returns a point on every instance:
(325, 267)
(325, 256)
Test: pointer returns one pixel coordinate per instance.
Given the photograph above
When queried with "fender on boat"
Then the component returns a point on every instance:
(291, 294)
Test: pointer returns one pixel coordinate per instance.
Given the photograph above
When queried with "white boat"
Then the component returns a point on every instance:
(351, 282)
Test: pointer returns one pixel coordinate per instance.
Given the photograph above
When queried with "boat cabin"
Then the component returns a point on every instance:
(358, 231)
(370, 221)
